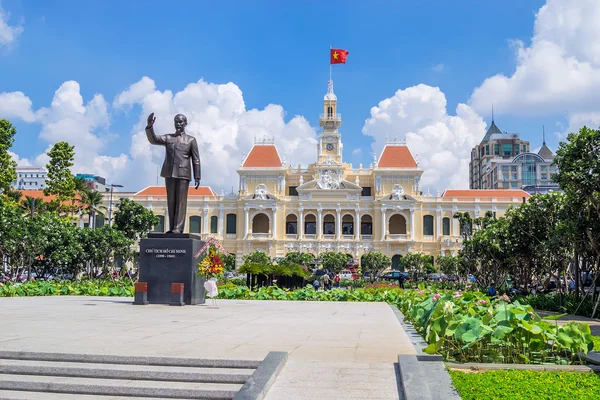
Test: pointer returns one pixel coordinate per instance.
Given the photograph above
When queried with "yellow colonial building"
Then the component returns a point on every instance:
(330, 205)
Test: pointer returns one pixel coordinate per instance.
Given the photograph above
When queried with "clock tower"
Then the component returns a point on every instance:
(330, 144)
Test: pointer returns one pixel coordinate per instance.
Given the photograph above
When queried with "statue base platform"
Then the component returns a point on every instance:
(171, 258)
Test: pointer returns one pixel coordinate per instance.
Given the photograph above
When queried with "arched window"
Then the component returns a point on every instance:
(329, 225)
(231, 223)
(195, 224)
(214, 222)
(428, 225)
(397, 225)
(446, 226)
(329, 112)
(347, 225)
(260, 223)
(366, 225)
(160, 227)
(291, 224)
(310, 225)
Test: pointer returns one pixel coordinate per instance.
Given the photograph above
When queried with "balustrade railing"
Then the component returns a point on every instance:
(399, 236)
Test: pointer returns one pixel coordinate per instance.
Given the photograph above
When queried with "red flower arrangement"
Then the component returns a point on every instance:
(211, 265)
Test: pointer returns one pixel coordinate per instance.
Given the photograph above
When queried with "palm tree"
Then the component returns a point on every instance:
(38, 204)
(80, 185)
(93, 204)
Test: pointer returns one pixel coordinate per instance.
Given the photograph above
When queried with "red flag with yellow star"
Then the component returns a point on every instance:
(338, 56)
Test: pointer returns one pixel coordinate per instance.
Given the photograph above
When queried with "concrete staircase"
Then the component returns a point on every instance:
(29, 375)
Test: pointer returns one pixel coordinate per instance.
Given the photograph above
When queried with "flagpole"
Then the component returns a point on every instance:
(330, 62)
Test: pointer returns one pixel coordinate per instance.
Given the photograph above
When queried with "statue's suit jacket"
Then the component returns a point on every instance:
(179, 150)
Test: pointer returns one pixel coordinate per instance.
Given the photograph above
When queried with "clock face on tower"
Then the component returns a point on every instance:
(329, 147)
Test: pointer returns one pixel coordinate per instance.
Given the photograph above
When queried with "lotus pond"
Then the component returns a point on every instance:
(462, 326)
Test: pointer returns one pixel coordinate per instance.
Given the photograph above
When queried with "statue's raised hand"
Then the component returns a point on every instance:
(151, 119)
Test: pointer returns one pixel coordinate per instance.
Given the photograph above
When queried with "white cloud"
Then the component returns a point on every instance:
(558, 73)
(357, 152)
(8, 33)
(69, 119)
(16, 105)
(443, 142)
(224, 129)
(22, 162)
(217, 117)
(438, 68)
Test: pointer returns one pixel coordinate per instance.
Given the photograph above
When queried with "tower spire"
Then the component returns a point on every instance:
(543, 134)
(492, 112)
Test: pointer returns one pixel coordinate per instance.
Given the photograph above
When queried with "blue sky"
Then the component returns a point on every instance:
(275, 52)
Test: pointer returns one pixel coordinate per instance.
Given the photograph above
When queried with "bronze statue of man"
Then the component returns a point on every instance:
(180, 148)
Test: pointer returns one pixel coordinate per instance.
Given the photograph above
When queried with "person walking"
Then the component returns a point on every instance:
(326, 282)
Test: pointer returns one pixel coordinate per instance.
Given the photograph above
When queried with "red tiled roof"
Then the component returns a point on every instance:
(396, 157)
(162, 191)
(39, 194)
(262, 156)
(487, 193)
(36, 194)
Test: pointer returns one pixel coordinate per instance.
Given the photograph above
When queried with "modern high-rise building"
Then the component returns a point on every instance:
(504, 161)
(30, 178)
(94, 182)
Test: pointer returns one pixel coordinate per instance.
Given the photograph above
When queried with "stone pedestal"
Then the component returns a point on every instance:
(171, 258)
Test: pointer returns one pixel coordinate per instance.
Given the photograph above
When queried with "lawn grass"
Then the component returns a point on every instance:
(517, 385)
(596, 340)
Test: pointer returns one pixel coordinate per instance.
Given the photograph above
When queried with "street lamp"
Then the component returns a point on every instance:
(112, 186)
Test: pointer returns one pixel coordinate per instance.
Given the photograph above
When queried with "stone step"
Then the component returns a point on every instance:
(117, 387)
(19, 395)
(130, 372)
(128, 360)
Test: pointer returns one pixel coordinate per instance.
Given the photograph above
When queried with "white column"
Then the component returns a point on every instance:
(412, 224)
(338, 224)
(246, 222)
(438, 217)
(205, 222)
(383, 224)
(357, 225)
(221, 224)
(319, 224)
(454, 223)
(300, 229)
(274, 227)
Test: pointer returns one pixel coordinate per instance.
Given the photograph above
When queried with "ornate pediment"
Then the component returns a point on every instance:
(328, 185)
(260, 193)
(397, 195)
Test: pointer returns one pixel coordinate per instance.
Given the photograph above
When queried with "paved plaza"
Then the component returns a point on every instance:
(336, 349)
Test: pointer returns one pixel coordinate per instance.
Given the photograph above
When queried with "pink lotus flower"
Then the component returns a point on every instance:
(483, 302)
(436, 297)
(456, 295)
(420, 292)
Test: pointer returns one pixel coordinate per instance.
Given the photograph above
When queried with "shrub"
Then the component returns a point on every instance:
(99, 287)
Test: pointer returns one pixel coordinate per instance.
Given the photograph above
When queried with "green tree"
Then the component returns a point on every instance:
(257, 257)
(229, 261)
(37, 205)
(375, 262)
(415, 262)
(8, 166)
(92, 203)
(449, 265)
(60, 180)
(297, 258)
(465, 223)
(133, 219)
(334, 261)
(579, 177)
